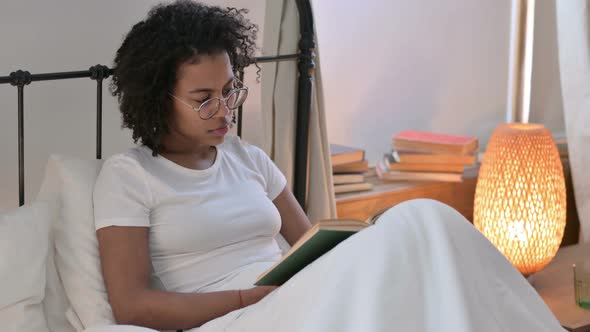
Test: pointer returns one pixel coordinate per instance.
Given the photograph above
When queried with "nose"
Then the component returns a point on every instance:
(223, 110)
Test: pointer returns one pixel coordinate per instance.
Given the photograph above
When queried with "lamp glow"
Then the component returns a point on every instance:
(520, 202)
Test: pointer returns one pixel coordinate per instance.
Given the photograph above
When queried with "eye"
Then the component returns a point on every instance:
(226, 92)
(202, 100)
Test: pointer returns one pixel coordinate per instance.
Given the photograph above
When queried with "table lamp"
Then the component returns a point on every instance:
(520, 201)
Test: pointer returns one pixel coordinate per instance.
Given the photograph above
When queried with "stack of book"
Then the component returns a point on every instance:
(427, 156)
(349, 167)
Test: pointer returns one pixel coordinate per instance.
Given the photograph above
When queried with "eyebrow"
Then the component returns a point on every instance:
(209, 89)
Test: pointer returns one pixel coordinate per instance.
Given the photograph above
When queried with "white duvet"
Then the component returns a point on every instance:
(422, 267)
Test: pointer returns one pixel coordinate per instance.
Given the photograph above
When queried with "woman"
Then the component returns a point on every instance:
(204, 208)
(187, 220)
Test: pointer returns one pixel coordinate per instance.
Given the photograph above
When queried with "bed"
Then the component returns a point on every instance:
(53, 282)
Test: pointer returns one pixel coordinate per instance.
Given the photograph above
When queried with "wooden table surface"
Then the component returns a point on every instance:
(361, 205)
(555, 284)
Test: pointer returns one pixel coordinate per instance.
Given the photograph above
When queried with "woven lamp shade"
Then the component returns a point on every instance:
(520, 203)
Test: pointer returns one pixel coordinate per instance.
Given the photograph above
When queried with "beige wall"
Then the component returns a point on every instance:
(65, 35)
(426, 65)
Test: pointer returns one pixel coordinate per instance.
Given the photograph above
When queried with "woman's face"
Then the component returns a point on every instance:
(198, 80)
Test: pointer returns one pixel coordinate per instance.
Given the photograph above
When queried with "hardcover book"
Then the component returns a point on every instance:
(341, 154)
(429, 142)
(321, 238)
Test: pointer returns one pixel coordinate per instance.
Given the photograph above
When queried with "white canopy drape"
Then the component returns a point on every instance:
(279, 108)
(573, 34)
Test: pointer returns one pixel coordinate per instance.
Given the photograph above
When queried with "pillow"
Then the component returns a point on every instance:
(24, 242)
(76, 247)
(55, 304)
(68, 186)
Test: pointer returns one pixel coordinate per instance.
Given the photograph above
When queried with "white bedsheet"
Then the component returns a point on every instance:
(423, 267)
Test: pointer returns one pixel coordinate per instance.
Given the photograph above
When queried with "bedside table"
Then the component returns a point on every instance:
(361, 205)
(459, 195)
(555, 284)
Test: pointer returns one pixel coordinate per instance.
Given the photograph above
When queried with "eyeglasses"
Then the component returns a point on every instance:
(234, 99)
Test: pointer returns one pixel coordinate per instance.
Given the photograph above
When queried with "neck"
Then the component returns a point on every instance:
(175, 143)
(188, 154)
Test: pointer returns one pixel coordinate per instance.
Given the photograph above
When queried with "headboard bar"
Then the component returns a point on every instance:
(277, 58)
(241, 108)
(21, 78)
(50, 76)
(99, 119)
(304, 99)
(98, 73)
(21, 146)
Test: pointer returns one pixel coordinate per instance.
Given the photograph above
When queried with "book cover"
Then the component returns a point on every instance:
(318, 240)
(434, 168)
(422, 176)
(433, 158)
(341, 154)
(355, 167)
(385, 173)
(348, 178)
(352, 187)
(395, 165)
(422, 141)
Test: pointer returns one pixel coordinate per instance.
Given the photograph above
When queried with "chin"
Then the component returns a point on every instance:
(216, 140)
(219, 140)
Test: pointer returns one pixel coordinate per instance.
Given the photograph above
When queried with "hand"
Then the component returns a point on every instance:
(253, 295)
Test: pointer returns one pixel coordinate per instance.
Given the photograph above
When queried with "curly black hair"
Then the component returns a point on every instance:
(145, 67)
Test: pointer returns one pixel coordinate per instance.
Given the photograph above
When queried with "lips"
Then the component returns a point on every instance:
(220, 131)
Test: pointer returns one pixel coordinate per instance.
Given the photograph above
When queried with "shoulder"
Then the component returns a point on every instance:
(129, 161)
(122, 170)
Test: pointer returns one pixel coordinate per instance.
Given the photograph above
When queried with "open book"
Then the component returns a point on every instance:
(318, 240)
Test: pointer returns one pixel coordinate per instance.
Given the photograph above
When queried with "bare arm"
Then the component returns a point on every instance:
(126, 269)
(294, 220)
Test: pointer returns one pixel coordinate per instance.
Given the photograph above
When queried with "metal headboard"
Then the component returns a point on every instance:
(305, 57)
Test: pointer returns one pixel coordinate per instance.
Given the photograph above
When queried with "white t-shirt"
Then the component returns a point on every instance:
(205, 226)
